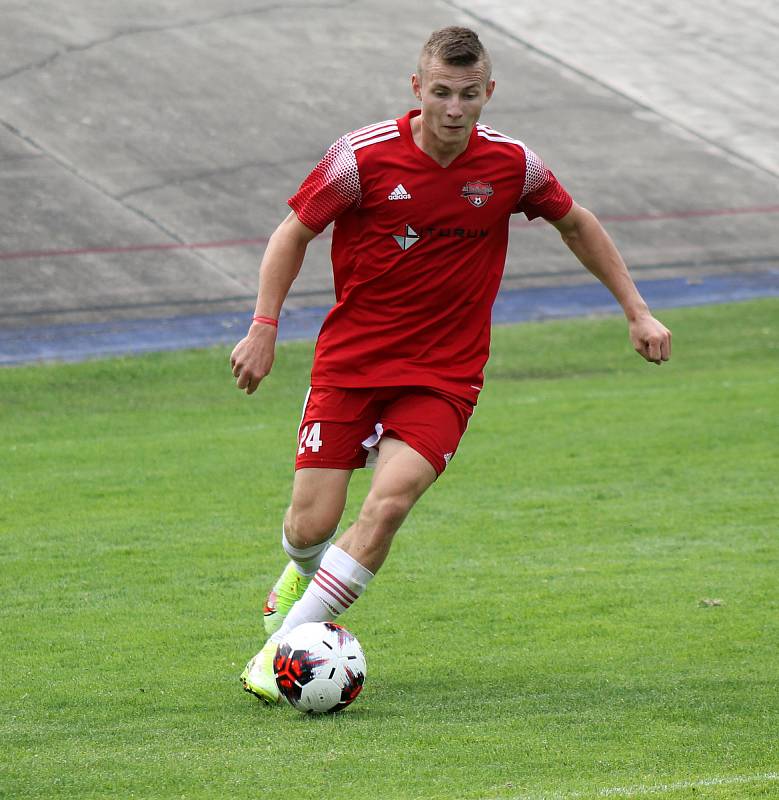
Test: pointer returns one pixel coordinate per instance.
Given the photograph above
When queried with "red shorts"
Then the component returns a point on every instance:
(340, 427)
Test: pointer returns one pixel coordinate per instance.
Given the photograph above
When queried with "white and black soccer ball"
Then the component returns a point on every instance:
(319, 667)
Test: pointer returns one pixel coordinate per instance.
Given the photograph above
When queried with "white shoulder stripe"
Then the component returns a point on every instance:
(376, 139)
(355, 138)
(503, 139)
(375, 125)
(486, 132)
(489, 129)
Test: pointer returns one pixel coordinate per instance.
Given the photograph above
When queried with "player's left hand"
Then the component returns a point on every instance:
(650, 338)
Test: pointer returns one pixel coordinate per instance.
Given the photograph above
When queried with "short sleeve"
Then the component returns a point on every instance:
(332, 187)
(542, 195)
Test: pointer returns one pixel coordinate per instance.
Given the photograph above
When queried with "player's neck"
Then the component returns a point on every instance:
(441, 152)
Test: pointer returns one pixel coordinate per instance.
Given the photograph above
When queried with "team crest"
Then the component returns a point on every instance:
(477, 193)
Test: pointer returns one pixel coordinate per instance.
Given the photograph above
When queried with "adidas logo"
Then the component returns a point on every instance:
(399, 193)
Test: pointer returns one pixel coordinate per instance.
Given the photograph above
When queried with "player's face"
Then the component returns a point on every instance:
(452, 99)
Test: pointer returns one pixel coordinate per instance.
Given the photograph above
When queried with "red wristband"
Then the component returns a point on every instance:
(266, 321)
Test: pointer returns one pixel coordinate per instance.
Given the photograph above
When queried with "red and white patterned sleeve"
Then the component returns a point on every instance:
(332, 187)
(543, 195)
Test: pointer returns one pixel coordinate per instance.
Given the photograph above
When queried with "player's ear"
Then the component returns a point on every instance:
(490, 88)
(416, 86)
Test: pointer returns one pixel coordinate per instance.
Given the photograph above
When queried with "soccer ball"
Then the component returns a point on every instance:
(319, 667)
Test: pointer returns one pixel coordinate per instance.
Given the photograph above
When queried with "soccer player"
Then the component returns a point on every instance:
(421, 206)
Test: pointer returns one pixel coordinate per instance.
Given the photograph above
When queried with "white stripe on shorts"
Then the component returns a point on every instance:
(305, 406)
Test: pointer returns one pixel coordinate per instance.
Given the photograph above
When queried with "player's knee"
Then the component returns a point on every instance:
(307, 526)
(384, 514)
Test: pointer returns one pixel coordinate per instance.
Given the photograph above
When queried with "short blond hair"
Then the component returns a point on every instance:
(455, 46)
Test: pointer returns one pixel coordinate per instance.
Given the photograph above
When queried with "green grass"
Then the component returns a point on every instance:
(538, 631)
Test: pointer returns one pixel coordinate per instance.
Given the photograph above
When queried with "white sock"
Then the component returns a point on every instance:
(306, 559)
(339, 581)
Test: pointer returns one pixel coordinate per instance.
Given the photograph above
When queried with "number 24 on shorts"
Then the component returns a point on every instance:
(310, 439)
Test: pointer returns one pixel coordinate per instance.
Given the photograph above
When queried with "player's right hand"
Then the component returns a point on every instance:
(252, 358)
(650, 338)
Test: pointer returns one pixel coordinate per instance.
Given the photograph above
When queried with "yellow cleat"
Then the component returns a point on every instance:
(287, 590)
(258, 677)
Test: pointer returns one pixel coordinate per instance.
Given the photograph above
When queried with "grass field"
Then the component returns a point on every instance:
(584, 606)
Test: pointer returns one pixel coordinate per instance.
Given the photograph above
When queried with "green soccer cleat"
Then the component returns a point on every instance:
(258, 677)
(287, 590)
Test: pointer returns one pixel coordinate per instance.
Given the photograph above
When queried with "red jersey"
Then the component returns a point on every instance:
(418, 252)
